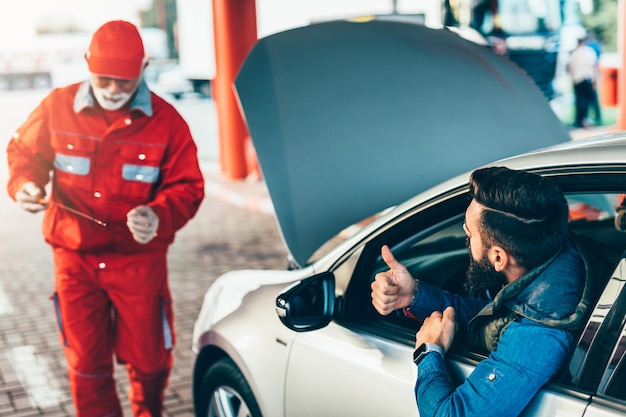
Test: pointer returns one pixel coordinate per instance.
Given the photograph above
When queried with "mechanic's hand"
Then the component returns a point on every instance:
(30, 197)
(143, 223)
(392, 289)
(439, 328)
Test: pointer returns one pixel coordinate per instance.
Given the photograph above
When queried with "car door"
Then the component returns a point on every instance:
(337, 371)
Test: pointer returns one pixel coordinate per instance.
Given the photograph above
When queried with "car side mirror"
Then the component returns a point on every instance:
(308, 304)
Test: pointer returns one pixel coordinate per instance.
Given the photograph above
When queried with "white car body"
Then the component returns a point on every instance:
(339, 363)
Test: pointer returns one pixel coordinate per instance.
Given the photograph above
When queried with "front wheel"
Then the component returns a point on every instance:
(226, 393)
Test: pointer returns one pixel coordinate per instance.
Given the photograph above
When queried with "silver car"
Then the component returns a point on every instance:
(366, 134)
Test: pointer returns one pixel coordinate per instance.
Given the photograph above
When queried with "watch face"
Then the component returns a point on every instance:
(419, 352)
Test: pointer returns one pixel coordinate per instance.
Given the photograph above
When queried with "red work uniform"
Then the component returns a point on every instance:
(111, 293)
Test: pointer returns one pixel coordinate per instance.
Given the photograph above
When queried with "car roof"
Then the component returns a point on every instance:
(607, 149)
(350, 118)
(595, 153)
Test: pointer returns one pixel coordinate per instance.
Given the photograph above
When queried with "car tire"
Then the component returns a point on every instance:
(225, 393)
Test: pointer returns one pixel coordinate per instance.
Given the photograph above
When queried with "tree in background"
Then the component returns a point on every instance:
(602, 22)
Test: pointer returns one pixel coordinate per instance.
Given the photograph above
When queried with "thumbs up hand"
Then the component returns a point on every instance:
(392, 289)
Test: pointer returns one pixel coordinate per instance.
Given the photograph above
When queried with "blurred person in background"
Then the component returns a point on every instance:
(123, 176)
(594, 44)
(583, 70)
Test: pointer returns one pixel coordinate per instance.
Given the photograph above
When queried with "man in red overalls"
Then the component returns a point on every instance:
(124, 177)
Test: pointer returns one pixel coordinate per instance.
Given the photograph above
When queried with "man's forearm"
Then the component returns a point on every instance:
(430, 298)
(433, 387)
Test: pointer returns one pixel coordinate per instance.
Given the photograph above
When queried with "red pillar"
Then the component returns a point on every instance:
(621, 73)
(235, 32)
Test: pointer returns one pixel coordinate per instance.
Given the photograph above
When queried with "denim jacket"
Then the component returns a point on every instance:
(527, 352)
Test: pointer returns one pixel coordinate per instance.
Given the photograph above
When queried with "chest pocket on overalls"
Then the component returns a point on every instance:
(141, 170)
(73, 160)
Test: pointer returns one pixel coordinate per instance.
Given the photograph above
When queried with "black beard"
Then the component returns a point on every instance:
(482, 277)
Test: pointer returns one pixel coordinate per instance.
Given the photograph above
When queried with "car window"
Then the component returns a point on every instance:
(593, 352)
(592, 206)
(432, 245)
(425, 242)
(614, 380)
(599, 356)
(439, 258)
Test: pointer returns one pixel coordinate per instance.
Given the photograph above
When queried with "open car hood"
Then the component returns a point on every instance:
(348, 119)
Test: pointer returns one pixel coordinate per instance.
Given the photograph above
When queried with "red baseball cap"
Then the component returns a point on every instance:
(116, 51)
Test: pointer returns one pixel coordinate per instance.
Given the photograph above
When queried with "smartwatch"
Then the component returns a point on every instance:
(424, 349)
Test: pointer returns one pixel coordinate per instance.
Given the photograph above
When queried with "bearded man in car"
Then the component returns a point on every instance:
(528, 296)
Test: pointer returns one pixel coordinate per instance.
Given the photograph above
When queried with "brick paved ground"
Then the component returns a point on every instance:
(232, 230)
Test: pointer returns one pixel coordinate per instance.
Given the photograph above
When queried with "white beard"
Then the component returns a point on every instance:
(111, 101)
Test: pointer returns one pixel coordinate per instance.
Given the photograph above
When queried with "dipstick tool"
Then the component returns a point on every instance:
(71, 210)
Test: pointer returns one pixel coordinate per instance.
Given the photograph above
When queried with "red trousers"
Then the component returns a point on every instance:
(115, 305)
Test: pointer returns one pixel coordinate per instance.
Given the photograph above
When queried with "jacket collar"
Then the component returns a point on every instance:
(549, 292)
(141, 100)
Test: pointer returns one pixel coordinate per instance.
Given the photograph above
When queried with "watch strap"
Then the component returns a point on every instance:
(424, 349)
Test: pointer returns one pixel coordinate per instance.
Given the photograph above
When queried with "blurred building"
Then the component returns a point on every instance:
(42, 42)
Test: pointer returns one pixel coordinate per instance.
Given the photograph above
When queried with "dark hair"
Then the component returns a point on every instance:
(525, 213)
